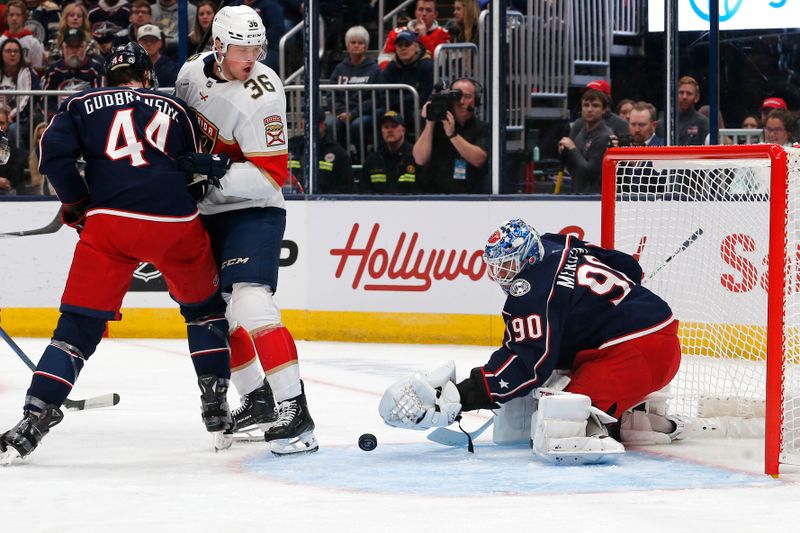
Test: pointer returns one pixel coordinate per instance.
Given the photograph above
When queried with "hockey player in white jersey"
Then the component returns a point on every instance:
(241, 106)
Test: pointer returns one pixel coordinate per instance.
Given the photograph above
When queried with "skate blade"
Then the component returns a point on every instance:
(253, 434)
(222, 441)
(10, 457)
(304, 443)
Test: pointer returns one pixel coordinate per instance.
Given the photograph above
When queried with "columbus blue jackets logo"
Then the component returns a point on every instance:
(520, 287)
(273, 128)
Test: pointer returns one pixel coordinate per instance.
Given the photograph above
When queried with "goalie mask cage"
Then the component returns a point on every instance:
(716, 230)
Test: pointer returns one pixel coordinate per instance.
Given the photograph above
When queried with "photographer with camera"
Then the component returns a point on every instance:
(642, 124)
(583, 154)
(459, 140)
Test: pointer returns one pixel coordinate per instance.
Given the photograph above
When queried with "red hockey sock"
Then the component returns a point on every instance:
(275, 348)
(243, 351)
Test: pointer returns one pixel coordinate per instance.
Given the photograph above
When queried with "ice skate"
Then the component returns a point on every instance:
(22, 439)
(215, 411)
(293, 429)
(256, 413)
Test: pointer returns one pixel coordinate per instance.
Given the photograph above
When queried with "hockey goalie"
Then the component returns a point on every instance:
(586, 350)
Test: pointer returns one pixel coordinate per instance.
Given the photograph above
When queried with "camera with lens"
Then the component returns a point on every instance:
(620, 141)
(442, 102)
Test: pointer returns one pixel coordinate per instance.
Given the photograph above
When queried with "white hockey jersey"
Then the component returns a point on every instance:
(245, 120)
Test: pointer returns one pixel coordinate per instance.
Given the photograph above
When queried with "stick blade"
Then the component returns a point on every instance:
(448, 437)
(97, 402)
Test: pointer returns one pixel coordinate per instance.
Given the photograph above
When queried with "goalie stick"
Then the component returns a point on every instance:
(684, 245)
(52, 227)
(458, 439)
(104, 400)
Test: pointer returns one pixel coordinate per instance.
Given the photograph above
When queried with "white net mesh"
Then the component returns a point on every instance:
(701, 231)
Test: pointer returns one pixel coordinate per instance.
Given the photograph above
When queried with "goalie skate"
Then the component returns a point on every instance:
(293, 429)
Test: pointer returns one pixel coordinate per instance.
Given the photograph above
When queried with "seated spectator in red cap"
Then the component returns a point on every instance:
(617, 124)
(773, 102)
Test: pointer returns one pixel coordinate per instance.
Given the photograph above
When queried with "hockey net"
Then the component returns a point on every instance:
(717, 232)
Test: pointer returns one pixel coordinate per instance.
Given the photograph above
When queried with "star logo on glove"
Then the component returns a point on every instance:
(503, 384)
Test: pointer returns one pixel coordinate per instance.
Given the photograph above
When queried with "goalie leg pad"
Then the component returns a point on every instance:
(567, 430)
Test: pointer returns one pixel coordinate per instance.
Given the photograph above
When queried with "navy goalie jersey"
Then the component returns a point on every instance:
(129, 139)
(579, 297)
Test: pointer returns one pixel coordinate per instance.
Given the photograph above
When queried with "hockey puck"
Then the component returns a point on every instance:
(367, 442)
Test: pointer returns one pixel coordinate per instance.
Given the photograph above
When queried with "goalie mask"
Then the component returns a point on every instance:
(511, 247)
(242, 26)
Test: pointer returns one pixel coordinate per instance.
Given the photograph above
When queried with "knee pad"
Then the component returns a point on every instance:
(82, 332)
(252, 307)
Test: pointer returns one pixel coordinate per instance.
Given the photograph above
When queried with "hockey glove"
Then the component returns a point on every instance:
(203, 171)
(421, 401)
(74, 215)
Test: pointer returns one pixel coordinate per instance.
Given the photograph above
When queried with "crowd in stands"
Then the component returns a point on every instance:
(367, 142)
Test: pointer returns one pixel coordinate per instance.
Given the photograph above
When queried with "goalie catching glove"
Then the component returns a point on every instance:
(203, 171)
(421, 401)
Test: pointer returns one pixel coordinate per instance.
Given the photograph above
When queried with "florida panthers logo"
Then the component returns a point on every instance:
(273, 128)
(520, 287)
(209, 133)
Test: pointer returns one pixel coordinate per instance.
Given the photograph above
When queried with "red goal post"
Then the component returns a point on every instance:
(717, 232)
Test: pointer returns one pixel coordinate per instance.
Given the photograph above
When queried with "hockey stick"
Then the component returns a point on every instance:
(688, 242)
(52, 227)
(458, 439)
(105, 400)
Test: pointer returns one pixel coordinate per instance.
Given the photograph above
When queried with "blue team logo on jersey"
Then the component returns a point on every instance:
(519, 287)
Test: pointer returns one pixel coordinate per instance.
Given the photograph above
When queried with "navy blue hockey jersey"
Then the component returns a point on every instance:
(129, 139)
(578, 297)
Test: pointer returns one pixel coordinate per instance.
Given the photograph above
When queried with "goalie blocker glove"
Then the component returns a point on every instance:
(203, 171)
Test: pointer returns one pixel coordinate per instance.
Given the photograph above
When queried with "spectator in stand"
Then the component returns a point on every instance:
(692, 125)
(355, 69)
(12, 174)
(463, 27)
(429, 33)
(780, 127)
(624, 108)
(706, 112)
(335, 175)
(412, 65)
(72, 16)
(16, 76)
(752, 122)
(453, 152)
(773, 102)
(141, 14)
(106, 37)
(391, 169)
(206, 9)
(617, 124)
(16, 15)
(74, 72)
(38, 181)
(642, 122)
(115, 11)
(270, 12)
(152, 41)
(165, 16)
(46, 14)
(583, 153)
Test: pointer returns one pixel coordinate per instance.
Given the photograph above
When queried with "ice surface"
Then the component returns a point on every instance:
(147, 464)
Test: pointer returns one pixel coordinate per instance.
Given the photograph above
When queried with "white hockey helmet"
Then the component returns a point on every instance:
(239, 25)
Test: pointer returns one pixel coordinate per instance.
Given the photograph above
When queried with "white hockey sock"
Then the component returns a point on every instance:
(285, 382)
